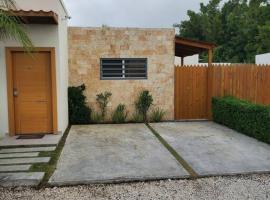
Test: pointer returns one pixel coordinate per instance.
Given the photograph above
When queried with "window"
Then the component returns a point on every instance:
(123, 68)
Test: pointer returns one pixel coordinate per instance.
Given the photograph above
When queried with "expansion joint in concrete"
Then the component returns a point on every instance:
(176, 155)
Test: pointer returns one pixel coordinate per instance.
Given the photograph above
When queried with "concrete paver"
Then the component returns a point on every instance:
(24, 160)
(13, 168)
(18, 155)
(27, 149)
(20, 179)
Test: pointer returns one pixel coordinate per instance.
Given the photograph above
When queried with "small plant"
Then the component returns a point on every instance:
(137, 117)
(143, 103)
(96, 117)
(157, 115)
(103, 100)
(119, 115)
(79, 112)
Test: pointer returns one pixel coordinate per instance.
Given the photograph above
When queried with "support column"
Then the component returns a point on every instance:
(182, 61)
(209, 84)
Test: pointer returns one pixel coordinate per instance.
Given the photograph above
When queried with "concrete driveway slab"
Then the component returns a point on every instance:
(114, 153)
(212, 149)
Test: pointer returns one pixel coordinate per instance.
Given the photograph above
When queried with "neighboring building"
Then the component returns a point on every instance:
(31, 102)
(93, 52)
(189, 60)
(263, 58)
(194, 60)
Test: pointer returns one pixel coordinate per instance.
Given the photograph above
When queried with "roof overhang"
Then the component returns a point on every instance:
(188, 47)
(35, 17)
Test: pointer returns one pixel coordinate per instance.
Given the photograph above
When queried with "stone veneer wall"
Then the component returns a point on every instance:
(88, 45)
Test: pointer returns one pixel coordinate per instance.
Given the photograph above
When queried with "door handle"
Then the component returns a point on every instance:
(15, 92)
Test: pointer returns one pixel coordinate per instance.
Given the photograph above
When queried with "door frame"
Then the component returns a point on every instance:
(9, 71)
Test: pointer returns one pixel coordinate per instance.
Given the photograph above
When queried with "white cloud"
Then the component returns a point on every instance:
(129, 13)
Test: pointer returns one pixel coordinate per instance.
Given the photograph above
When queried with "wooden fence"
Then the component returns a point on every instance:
(195, 85)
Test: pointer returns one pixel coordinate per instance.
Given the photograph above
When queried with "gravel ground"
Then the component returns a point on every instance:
(229, 187)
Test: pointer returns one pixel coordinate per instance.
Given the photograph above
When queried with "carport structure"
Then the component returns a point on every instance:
(187, 47)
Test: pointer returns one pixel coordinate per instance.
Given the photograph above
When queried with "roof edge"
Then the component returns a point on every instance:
(209, 44)
(64, 8)
(119, 28)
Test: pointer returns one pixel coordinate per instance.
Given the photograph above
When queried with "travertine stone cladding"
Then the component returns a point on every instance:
(88, 45)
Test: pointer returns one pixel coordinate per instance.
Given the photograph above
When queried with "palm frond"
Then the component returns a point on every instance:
(7, 4)
(11, 28)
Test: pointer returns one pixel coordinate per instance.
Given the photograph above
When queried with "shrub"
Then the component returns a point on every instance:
(103, 100)
(137, 117)
(143, 103)
(79, 112)
(157, 115)
(243, 116)
(96, 117)
(119, 115)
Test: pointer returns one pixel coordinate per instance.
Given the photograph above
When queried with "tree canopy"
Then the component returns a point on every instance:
(240, 28)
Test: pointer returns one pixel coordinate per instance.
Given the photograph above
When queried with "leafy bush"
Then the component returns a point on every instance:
(103, 100)
(143, 103)
(137, 117)
(243, 116)
(96, 117)
(119, 115)
(79, 112)
(157, 115)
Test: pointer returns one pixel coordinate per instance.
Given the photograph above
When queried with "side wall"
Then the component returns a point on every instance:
(263, 59)
(88, 45)
(42, 36)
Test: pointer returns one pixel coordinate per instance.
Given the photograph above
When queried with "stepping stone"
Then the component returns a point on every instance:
(20, 179)
(28, 149)
(24, 160)
(19, 155)
(12, 168)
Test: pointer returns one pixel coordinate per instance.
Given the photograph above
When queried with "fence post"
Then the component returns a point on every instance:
(209, 84)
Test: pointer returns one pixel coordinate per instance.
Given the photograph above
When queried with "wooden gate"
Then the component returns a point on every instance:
(190, 92)
(195, 85)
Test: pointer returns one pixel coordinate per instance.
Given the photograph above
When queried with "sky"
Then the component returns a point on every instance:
(130, 13)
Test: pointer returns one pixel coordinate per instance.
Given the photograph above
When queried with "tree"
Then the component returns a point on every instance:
(240, 28)
(11, 26)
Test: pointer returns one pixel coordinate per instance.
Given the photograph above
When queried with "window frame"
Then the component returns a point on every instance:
(124, 78)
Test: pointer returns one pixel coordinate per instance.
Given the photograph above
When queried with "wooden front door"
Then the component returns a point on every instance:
(32, 92)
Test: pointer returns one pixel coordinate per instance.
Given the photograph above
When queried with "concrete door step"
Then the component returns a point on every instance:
(47, 140)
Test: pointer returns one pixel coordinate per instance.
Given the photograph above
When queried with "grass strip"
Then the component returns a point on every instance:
(176, 155)
(50, 167)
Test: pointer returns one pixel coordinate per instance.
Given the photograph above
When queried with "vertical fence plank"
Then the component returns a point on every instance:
(245, 81)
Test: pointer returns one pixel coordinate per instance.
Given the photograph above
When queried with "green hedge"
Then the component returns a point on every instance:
(243, 116)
